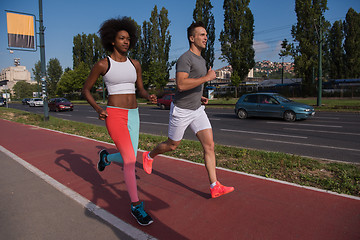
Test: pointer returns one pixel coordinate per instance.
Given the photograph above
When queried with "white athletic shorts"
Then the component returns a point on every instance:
(181, 118)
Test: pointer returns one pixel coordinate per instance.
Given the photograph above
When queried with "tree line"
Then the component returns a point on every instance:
(341, 46)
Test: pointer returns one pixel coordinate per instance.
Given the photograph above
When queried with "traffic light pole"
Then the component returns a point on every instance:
(43, 63)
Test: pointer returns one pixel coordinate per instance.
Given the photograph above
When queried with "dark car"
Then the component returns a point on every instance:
(60, 104)
(165, 101)
(2, 102)
(25, 101)
(271, 105)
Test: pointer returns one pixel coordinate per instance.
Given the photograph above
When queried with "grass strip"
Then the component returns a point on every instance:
(332, 176)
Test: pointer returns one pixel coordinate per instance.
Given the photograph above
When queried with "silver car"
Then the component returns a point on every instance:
(36, 102)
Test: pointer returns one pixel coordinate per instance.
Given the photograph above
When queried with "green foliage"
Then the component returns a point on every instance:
(54, 72)
(73, 80)
(87, 49)
(352, 43)
(237, 37)
(336, 54)
(306, 36)
(203, 13)
(24, 89)
(37, 72)
(156, 43)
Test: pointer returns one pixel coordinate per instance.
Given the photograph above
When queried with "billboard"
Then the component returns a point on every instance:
(21, 31)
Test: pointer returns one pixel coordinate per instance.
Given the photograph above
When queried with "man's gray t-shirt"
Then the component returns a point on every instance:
(195, 66)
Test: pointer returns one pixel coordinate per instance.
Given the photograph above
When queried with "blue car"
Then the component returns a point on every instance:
(271, 105)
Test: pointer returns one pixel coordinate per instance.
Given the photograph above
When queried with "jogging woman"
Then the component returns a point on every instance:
(120, 74)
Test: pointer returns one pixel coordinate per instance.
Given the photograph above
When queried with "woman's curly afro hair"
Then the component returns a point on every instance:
(111, 27)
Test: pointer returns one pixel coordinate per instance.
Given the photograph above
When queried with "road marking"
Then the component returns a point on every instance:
(308, 130)
(261, 133)
(164, 124)
(310, 145)
(102, 213)
(144, 114)
(214, 119)
(335, 118)
(62, 114)
(304, 124)
(92, 117)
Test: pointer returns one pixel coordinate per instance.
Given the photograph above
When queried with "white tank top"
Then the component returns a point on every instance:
(120, 77)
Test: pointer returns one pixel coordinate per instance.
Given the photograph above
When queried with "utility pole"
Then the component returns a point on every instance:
(320, 64)
(43, 63)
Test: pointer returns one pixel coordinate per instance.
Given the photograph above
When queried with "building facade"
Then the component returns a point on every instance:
(14, 75)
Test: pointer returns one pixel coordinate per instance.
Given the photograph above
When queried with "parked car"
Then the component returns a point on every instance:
(2, 102)
(60, 104)
(36, 102)
(165, 101)
(25, 101)
(271, 105)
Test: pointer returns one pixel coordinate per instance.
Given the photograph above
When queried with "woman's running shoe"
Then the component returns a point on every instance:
(141, 216)
(102, 162)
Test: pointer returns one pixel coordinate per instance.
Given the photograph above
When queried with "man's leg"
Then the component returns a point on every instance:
(206, 138)
(167, 146)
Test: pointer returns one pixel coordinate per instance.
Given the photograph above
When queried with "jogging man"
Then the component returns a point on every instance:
(187, 109)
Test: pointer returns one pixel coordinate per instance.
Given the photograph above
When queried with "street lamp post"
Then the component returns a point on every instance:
(42, 60)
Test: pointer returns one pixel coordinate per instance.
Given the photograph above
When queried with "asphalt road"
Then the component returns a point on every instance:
(328, 135)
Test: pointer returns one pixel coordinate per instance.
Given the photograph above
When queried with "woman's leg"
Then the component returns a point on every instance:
(121, 130)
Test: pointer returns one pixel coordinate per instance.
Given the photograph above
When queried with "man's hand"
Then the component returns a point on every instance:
(204, 100)
(211, 75)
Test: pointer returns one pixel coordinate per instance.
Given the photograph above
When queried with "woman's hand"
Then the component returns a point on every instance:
(102, 114)
(152, 98)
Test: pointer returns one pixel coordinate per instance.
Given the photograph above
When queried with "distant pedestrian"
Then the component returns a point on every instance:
(187, 109)
(121, 74)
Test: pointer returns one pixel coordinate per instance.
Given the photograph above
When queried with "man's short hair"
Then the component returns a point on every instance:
(191, 29)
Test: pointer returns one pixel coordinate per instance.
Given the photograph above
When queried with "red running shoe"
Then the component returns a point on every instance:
(220, 190)
(147, 163)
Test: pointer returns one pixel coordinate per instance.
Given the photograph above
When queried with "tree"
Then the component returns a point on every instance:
(24, 89)
(155, 49)
(203, 13)
(136, 52)
(237, 39)
(306, 37)
(87, 49)
(72, 81)
(54, 71)
(336, 54)
(352, 43)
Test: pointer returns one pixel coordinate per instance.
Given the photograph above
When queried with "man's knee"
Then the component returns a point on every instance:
(209, 146)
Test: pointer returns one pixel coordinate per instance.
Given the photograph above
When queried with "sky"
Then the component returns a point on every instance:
(65, 19)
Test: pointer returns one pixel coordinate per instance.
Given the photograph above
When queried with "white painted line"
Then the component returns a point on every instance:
(144, 114)
(304, 124)
(62, 114)
(163, 124)
(319, 131)
(105, 215)
(334, 118)
(92, 117)
(261, 133)
(214, 119)
(310, 145)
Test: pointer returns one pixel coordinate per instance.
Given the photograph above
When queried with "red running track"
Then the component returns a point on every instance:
(177, 194)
